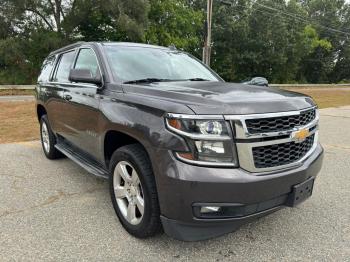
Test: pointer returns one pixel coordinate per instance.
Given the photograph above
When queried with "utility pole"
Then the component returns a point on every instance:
(207, 38)
(207, 30)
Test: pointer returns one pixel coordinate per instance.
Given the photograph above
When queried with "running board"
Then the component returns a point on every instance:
(85, 162)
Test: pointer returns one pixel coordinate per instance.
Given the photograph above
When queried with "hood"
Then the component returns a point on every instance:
(224, 98)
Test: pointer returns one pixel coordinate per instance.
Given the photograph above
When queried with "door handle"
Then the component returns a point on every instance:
(67, 97)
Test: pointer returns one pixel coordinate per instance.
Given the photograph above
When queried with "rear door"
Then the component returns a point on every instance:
(82, 106)
(47, 92)
(59, 83)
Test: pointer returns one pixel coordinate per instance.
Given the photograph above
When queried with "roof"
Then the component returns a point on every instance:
(67, 47)
(129, 44)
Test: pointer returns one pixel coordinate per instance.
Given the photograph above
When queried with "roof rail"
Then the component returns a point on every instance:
(67, 47)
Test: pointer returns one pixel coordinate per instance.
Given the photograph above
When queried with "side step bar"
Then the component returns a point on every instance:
(85, 162)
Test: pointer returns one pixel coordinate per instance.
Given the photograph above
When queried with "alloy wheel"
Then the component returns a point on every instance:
(45, 137)
(128, 192)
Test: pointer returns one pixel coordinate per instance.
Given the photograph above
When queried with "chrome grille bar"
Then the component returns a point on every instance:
(247, 141)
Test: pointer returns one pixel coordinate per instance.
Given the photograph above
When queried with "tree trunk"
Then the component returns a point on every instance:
(57, 14)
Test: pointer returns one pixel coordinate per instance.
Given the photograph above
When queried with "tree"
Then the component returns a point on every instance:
(285, 41)
(175, 22)
(327, 16)
(257, 38)
(31, 29)
(108, 20)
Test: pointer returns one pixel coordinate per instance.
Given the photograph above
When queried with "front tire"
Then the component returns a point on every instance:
(133, 191)
(48, 139)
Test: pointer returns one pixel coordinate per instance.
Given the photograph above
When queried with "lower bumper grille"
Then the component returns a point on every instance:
(281, 154)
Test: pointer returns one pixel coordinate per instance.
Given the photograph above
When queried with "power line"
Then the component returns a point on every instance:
(305, 21)
(297, 17)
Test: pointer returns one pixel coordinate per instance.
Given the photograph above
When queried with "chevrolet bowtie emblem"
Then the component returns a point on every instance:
(301, 135)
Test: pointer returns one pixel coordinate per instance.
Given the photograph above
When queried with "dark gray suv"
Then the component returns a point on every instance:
(183, 150)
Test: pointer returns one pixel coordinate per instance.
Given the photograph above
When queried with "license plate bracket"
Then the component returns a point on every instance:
(301, 192)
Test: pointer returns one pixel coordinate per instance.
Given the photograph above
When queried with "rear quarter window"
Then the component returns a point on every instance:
(46, 69)
(64, 66)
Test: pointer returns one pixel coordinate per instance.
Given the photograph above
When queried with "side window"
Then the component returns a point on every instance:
(46, 69)
(87, 60)
(64, 67)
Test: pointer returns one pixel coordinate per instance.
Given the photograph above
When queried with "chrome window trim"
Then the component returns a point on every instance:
(75, 84)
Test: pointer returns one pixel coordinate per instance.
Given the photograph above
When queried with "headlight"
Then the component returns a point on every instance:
(209, 140)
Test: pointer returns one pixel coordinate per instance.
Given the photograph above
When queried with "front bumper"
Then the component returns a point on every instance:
(182, 186)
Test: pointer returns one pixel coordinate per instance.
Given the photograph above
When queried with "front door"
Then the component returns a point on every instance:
(81, 107)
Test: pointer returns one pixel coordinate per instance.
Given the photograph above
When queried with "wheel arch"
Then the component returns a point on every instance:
(40, 111)
(114, 139)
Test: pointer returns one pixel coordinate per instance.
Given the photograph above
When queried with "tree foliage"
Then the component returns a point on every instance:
(285, 41)
(175, 23)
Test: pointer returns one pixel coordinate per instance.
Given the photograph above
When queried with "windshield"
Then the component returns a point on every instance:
(135, 63)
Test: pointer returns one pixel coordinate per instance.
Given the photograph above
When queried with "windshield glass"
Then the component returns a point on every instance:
(135, 63)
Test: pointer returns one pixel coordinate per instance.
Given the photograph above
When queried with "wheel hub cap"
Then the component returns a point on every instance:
(128, 192)
(45, 137)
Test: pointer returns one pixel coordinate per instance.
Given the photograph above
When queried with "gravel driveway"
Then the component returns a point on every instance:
(55, 211)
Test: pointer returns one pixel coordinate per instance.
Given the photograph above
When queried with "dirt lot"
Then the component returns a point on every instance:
(18, 122)
(327, 97)
(15, 92)
(24, 127)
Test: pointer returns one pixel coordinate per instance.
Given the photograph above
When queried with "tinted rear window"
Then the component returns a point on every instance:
(46, 69)
(64, 67)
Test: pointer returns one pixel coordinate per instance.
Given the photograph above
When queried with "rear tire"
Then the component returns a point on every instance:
(133, 191)
(48, 139)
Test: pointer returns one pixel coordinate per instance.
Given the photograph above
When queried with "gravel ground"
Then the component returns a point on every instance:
(56, 211)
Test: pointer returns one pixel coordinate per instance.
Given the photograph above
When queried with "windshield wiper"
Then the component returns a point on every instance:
(154, 80)
(197, 79)
(146, 80)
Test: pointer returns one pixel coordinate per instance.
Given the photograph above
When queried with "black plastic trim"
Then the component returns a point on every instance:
(82, 160)
(202, 231)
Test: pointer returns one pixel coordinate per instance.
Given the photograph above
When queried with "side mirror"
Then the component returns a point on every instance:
(256, 81)
(260, 81)
(84, 76)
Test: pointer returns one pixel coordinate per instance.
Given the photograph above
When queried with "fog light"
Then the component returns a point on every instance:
(209, 209)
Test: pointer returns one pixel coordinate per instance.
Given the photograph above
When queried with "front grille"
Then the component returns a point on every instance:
(282, 123)
(281, 154)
